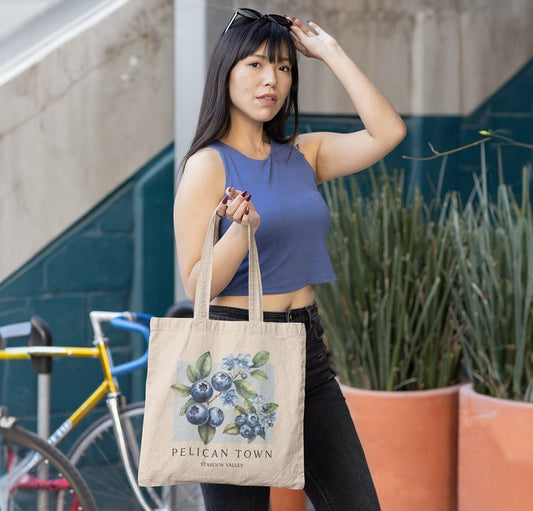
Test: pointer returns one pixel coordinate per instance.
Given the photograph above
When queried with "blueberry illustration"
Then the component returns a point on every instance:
(244, 376)
(258, 430)
(221, 381)
(246, 431)
(216, 416)
(201, 391)
(197, 414)
(240, 420)
(252, 419)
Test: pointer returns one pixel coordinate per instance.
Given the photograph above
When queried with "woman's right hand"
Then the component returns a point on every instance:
(237, 206)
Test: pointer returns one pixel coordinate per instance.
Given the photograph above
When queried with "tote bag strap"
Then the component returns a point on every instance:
(203, 286)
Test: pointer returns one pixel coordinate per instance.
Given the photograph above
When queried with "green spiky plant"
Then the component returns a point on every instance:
(389, 316)
(494, 242)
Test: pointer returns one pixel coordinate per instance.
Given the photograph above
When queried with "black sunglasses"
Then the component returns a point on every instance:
(256, 15)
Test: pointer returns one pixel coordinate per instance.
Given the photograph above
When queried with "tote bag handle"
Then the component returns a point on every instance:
(203, 286)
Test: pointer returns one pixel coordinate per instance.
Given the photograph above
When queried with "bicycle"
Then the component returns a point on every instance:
(36, 475)
(107, 452)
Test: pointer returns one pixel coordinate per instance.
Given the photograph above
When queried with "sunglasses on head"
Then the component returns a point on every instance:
(256, 15)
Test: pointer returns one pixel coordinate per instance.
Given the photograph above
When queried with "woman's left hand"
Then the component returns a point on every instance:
(312, 41)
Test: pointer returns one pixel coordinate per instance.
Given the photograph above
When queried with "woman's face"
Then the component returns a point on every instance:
(258, 88)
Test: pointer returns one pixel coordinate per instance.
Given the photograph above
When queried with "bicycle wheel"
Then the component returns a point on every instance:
(61, 488)
(95, 454)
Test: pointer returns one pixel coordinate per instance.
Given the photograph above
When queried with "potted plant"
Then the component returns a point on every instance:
(494, 242)
(393, 335)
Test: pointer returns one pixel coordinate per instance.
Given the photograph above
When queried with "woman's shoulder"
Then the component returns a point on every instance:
(205, 158)
(308, 145)
(204, 164)
(309, 141)
(204, 155)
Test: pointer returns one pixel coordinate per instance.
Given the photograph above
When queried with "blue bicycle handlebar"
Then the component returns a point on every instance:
(140, 324)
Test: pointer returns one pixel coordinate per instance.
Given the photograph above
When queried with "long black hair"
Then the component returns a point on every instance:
(241, 40)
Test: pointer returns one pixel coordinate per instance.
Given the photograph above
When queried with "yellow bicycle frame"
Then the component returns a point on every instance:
(108, 385)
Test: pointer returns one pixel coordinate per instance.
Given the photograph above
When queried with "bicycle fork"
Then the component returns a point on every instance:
(113, 405)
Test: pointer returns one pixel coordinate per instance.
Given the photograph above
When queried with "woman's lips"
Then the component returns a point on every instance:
(268, 99)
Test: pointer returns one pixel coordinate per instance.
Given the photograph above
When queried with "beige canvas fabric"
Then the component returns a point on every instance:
(245, 378)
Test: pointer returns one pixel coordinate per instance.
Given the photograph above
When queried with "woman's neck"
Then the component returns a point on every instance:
(253, 143)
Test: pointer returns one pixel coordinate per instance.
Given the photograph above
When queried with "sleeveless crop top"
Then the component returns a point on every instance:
(291, 239)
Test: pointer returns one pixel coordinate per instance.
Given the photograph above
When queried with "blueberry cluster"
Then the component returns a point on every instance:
(201, 392)
(249, 425)
(228, 388)
(253, 419)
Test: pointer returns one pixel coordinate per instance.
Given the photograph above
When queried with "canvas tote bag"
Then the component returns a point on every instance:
(224, 399)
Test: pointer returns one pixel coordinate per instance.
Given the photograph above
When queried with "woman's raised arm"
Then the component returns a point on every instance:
(334, 155)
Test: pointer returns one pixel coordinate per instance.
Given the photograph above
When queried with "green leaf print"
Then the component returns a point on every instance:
(239, 410)
(188, 403)
(270, 407)
(258, 374)
(203, 364)
(193, 374)
(232, 429)
(260, 359)
(245, 389)
(181, 390)
(206, 433)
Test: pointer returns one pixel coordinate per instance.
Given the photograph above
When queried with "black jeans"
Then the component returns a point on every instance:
(336, 473)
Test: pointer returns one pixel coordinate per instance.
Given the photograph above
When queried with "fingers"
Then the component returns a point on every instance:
(230, 194)
(221, 209)
(235, 206)
(302, 29)
(303, 37)
(238, 207)
(311, 40)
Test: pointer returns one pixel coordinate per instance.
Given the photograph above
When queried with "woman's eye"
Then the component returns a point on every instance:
(285, 68)
(254, 64)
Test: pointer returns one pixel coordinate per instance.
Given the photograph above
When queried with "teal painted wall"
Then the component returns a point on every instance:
(118, 257)
(510, 112)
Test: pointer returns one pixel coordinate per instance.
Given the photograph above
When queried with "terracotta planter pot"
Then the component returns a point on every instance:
(495, 453)
(410, 441)
(282, 499)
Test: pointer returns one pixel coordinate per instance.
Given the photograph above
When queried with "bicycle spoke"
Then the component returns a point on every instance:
(96, 456)
(36, 476)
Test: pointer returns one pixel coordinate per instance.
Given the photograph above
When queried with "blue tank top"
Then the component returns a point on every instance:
(292, 237)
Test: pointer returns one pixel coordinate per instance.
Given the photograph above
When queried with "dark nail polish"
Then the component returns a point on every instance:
(225, 199)
(247, 210)
(248, 198)
(243, 194)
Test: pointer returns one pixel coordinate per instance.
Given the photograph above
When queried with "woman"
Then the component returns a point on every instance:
(240, 151)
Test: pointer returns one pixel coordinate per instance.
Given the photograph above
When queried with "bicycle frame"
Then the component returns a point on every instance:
(106, 387)
(109, 387)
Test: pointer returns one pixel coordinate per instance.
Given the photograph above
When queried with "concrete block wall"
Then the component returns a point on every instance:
(82, 120)
(430, 57)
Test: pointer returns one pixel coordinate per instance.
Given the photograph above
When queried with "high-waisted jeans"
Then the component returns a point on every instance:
(336, 473)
